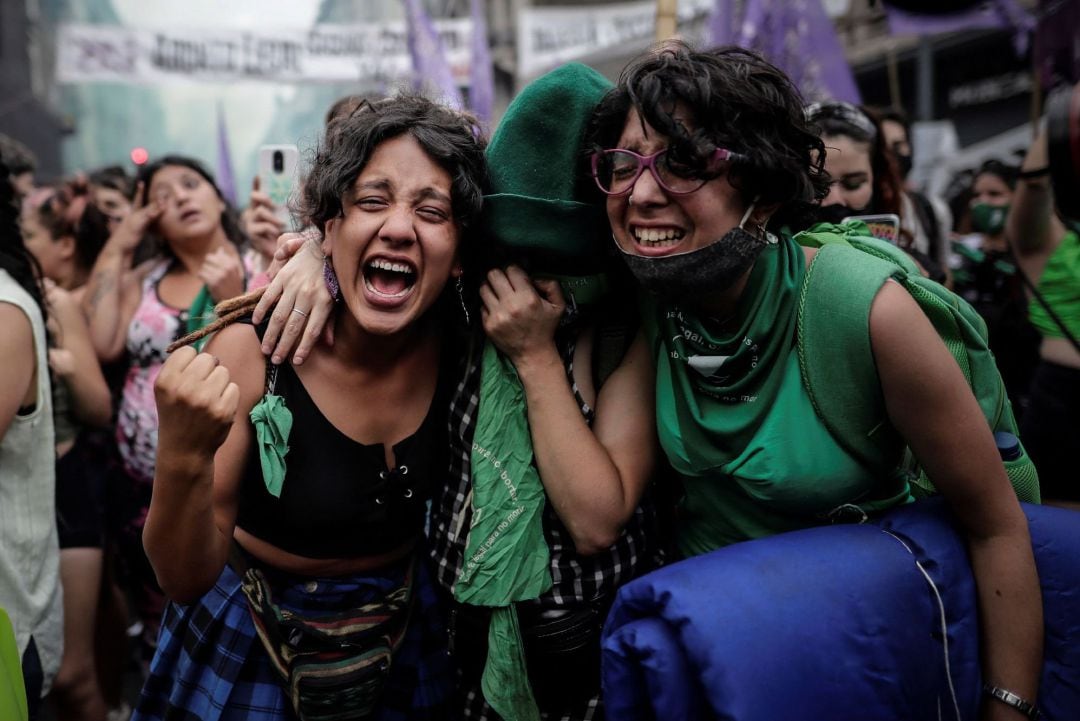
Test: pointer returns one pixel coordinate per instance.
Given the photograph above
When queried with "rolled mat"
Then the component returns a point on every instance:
(875, 621)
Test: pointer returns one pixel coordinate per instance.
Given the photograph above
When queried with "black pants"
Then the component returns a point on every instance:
(33, 678)
(1050, 430)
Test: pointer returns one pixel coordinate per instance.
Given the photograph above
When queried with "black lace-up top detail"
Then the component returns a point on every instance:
(339, 499)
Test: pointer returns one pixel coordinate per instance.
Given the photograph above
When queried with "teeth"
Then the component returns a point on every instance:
(380, 264)
(653, 235)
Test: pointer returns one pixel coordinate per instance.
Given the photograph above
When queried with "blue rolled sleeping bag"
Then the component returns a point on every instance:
(833, 623)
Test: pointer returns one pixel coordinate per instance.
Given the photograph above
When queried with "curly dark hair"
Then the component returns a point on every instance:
(738, 101)
(18, 158)
(451, 138)
(14, 257)
(230, 220)
(113, 177)
(66, 211)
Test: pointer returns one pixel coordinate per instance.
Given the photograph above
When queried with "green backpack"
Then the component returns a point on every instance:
(837, 363)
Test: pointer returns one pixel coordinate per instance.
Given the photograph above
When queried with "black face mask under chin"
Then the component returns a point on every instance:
(700, 272)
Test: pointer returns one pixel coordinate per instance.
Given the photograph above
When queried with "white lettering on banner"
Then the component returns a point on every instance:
(374, 52)
(989, 90)
(552, 35)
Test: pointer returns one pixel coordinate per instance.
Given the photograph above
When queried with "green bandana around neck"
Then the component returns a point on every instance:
(715, 386)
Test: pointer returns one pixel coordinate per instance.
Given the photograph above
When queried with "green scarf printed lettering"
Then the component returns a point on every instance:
(506, 555)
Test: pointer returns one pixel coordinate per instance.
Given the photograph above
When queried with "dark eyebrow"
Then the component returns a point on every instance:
(385, 186)
(379, 184)
(433, 194)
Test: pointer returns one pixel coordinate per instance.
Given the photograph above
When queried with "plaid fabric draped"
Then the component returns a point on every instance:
(210, 665)
(577, 579)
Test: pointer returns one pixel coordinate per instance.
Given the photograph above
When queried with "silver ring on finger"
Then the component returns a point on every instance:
(297, 310)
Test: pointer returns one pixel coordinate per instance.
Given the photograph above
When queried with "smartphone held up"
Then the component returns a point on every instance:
(278, 178)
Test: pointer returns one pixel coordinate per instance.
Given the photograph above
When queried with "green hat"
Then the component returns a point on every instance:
(542, 202)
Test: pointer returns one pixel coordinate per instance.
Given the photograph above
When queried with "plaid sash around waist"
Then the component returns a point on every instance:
(333, 666)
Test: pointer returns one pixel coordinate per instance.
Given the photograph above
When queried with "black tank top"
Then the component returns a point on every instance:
(339, 500)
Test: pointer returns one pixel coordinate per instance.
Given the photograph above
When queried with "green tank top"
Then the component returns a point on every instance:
(1060, 288)
(791, 475)
(737, 424)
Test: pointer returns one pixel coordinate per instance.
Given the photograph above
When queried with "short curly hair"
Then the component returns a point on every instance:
(451, 138)
(738, 101)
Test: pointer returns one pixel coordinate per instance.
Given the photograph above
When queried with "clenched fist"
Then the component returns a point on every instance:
(196, 404)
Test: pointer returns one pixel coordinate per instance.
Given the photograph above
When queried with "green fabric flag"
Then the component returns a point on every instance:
(200, 314)
(273, 424)
(506, 555)
(501, 682)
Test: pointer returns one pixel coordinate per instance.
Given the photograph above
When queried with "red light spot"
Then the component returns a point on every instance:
(139, 156)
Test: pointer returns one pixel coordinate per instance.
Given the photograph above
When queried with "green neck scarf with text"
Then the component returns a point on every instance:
(716, 382)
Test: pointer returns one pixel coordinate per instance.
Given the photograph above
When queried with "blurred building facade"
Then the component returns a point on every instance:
(972, 92)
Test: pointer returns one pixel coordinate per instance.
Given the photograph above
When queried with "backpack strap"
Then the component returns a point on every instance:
(835, 357)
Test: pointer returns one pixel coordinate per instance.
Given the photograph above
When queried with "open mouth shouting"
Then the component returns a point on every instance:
(656, 240)
(389, 282)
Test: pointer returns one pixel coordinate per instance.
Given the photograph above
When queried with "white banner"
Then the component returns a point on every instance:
(550, 36)
(372, 53)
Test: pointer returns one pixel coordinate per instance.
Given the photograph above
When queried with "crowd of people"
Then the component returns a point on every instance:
(396, 465)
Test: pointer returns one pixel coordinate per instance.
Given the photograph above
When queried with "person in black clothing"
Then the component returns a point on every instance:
(985, 275)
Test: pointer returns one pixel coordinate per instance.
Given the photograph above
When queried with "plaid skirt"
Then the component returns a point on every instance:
(211, 666)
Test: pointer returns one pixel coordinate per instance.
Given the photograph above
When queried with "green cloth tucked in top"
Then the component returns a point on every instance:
(200, 315)
(736, 422)
(1060, 288)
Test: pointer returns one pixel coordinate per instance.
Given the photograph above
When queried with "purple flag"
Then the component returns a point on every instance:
(224, 173)
(722, 23)
(431, 70)
(795, 35)
(989, 15)
(482, 79)
(1057, 43)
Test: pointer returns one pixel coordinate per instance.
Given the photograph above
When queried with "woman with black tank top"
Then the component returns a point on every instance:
(290, 542)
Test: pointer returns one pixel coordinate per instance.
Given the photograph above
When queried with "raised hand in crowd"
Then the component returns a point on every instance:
(260, 223)
(223, 273)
